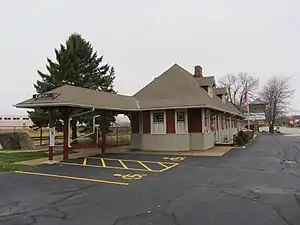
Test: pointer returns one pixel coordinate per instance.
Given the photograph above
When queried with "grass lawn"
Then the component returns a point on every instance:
(7, 160)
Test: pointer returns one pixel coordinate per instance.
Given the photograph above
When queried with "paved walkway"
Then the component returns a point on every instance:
(216, 151)
(57, 158)
(17, 151)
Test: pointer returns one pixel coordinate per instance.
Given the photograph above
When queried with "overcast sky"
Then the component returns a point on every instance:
(141, 39)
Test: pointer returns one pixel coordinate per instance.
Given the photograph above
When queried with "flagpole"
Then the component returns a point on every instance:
(248, 110)
(248, 114)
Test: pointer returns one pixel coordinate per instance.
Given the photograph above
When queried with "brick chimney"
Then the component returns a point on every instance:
(198, 71)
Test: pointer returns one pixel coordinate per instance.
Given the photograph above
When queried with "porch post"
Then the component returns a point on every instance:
(51, 135)
(103, 132)
(66, 136)
(69, 133)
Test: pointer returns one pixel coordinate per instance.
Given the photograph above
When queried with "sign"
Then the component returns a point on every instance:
(174, 158)
(130, 176)
(256, 116)
(44, 95)
(52, 136)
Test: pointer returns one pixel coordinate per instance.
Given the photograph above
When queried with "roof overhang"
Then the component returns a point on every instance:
(84, 106)
(69, 105)
(78, 97)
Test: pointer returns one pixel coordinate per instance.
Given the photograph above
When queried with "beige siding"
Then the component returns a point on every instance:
(136, 141)
(165, 142)
(201, 141)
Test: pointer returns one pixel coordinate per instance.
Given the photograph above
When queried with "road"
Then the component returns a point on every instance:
(256, 185)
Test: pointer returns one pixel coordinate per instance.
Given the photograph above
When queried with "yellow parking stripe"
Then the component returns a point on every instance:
(130, 160)
(84, 162)
(163, 165)
(123, 164)
(108, 167)
(103, 163)
(169, 167)
(71, 178)
(145, 166)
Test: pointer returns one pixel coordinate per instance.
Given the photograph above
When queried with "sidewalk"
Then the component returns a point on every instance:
(216, 151)
(58, 158)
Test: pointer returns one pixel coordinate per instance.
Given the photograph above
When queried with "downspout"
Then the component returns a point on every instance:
(85, 135)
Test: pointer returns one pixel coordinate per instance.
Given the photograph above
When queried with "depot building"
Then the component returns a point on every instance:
(177, 111)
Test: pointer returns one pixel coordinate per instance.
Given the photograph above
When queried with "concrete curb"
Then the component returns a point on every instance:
(215, 152)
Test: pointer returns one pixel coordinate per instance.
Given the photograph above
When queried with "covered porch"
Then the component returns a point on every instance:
(73, 101)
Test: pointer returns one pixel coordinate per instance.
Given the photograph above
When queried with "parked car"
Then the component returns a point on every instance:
(264, 129)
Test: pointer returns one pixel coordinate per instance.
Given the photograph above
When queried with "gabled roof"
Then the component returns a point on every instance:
(175, 88)
(72, 96)
(258, 102)
(206, 81)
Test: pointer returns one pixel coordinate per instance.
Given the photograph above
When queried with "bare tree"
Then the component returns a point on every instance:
(236, 86)
(277, 92)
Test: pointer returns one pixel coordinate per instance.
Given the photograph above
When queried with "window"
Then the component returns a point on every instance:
(181, 122)
(0, 118)
(16, 118)
(25, 118)
(7, 118)
(158, 125)
(140, 122)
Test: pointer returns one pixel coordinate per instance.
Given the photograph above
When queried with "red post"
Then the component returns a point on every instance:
(51, 144)
(66, 137)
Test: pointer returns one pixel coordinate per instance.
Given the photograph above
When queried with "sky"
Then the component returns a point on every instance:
(142, 39)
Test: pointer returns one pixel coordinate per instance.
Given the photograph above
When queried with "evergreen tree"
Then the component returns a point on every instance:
(76, 64)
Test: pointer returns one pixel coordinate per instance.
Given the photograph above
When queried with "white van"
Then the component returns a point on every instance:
(263, 129)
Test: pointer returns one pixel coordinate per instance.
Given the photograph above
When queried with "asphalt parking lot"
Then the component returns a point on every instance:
(256, 185)
(115, 169)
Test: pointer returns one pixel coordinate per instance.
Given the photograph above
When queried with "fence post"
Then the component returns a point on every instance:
(117, 135)
(41, 135)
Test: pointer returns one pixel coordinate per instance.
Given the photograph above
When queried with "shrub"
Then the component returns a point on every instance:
(243, 136)
(240, 141)
(246, 135)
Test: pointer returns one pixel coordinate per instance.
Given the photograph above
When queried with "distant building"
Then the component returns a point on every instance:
(23, 121)
(257, 110)
(257, 106)
(19, 121)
